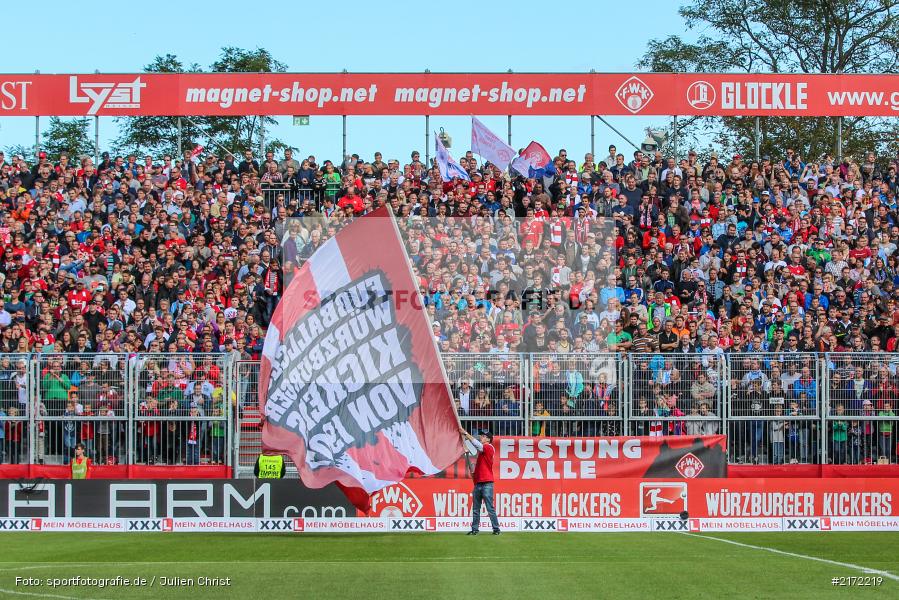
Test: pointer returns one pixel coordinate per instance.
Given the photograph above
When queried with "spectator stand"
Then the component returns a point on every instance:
(860, 419)
(184, 408)
(491, 391)
(576, 395)
(775, 406)
(248, 434)
(16, 405)
(81, 398)
(681, 393)
(164, 409)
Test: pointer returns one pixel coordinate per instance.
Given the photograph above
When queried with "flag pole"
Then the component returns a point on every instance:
(449, 390)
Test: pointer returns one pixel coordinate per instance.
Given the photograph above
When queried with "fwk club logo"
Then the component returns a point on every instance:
(689, 466)
(395, 500)
(634, 95)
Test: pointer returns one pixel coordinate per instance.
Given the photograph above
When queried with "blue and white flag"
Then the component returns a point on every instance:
(487, 144)
(449, 168)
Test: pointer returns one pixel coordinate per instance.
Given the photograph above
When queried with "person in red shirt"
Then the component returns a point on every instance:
(78, 298)
(483, 480)
(351, 199)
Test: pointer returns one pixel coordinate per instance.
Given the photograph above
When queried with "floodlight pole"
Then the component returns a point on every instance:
(509, 130)
(758, 139)
(427, 141)
(37, 133)
(593, 136)
(343, 156)
(839, 138)
(674, 138)
(97, 139)
(609, 125)
(261, 137)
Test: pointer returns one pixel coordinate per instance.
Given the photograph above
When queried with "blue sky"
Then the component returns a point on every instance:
(494, 36)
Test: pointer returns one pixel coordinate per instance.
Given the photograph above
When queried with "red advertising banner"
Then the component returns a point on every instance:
(449, 94)
(636, 498)
(528, 459)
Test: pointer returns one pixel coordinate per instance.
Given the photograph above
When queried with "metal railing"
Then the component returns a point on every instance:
(203, 408)
(125, 409)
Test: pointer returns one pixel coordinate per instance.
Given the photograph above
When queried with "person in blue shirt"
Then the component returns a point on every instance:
(612, 290)
(807, 385)
(664, 285)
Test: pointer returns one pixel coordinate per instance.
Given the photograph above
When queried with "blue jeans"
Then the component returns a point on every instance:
(483, 492)
(193, 454)
(777, 451)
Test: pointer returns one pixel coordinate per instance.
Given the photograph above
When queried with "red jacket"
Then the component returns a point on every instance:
(483, 469)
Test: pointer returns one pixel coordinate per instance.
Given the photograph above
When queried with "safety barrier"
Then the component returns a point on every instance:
(166, 409)
(775, 408)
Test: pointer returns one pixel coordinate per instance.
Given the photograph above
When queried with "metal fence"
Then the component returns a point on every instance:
(248, 438)
(276, 195)
(860, 425)
(575, 395)
(489, 391)
(125, 409)
(676, 393)
(775, 408)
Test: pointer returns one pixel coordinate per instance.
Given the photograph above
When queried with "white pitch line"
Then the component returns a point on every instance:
(39, 595)
(886, 574)
(31, 566)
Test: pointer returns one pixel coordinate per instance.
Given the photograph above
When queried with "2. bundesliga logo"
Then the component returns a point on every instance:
(634, 95)
(667, 498)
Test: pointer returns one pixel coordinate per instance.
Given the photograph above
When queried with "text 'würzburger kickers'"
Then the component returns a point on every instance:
(521, 458)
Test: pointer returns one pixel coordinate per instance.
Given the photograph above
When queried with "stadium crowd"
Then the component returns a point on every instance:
(685, 261)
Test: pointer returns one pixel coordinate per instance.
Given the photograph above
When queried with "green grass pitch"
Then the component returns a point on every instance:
(449, 565)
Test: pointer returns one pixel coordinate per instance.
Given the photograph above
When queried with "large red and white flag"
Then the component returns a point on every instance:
(351, 382)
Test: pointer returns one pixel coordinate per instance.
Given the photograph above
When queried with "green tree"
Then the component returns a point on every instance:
(785, 36)
(26, 152)
(159, 135)
(68, 135)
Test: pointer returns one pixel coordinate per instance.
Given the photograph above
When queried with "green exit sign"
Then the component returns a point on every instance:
(301, 120)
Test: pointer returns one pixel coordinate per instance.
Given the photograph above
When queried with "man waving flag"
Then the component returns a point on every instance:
(351, 383)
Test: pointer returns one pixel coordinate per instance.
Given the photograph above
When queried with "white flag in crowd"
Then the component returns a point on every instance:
(488, 145)
(449, 168)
